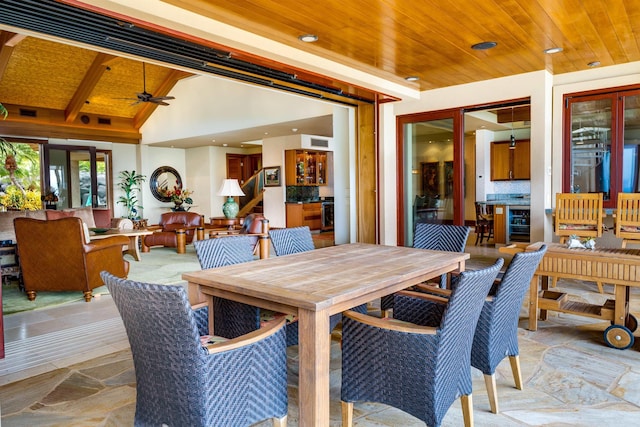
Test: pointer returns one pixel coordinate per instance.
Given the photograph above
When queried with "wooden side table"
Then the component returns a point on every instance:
(221, 221)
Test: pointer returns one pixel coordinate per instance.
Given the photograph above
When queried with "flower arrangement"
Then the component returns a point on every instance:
(50, 198)
(180, 195)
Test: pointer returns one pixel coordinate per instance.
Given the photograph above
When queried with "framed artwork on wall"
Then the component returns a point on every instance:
(448, 179)
(430, 173)
(272, 176)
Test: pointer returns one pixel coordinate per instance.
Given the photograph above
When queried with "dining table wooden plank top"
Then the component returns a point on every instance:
(315, 285)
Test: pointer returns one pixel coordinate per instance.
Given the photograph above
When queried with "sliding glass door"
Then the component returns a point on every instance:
(431, 172)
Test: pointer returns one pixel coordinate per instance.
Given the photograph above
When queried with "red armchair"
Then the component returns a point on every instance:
(175, 230)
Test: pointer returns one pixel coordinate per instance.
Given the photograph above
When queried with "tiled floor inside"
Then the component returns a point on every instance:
(71, 366)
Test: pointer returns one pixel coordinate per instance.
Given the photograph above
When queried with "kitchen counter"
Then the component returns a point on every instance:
(509, 202)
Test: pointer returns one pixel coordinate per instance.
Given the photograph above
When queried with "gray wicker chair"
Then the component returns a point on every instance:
(439, 237)
(180, 381)
(420, 370)
(293, 240)
(496, 335)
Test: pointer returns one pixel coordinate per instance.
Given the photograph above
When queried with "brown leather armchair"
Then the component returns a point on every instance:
(175, 230)
(54, 256)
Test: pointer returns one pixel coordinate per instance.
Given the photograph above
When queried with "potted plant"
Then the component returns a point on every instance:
(130, 185)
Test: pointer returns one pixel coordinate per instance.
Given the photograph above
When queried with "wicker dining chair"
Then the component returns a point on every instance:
(420, 370)
(439, 237)
(183, 379)
(496, 335)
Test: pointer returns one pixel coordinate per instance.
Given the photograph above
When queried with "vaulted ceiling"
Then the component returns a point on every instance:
(75, 89)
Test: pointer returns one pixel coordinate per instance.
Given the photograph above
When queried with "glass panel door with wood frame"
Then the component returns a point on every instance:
(429, 173)
(79, 175)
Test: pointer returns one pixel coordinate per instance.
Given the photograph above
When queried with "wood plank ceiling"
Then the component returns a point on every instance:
(72, 88)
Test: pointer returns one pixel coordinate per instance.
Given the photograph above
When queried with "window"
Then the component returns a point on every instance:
(602, 134)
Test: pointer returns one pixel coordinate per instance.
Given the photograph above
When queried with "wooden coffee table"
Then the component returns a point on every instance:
(133, 248)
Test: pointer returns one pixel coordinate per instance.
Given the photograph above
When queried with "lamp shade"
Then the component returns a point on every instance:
(230, 187)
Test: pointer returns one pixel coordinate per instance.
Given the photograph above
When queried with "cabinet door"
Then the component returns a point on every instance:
(294, 215)
(312, 215)
(500, 161)
(522, 160)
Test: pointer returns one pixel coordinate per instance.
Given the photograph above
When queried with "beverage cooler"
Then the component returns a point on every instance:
(518, 224)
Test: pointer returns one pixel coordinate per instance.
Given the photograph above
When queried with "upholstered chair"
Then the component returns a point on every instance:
(56, 255)
(186, 379)
(175, 230)
(419, 369)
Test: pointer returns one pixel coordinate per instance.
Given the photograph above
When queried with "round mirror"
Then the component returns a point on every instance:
(163, 179)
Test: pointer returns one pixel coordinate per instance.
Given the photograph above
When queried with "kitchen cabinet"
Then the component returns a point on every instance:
(301, 214)
(510, 163)
(305, 167)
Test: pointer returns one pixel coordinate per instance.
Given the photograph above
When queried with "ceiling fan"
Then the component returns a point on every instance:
(145, 96)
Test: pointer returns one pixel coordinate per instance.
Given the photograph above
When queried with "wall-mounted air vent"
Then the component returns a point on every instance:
(28, 113)
(104, 121)
(321, 143)
(317, 142)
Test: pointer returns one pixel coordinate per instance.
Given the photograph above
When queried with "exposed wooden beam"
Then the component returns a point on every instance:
(8, 42)
(33, 122)
(90, 80)
(162, 90)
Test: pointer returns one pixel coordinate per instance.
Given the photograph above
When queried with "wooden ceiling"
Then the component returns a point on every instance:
(73, 90)
(432, 39)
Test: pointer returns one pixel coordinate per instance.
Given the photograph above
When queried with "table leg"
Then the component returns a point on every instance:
(181, 241)
(533, 303)
(620, 307)
(133, 249)
(314, 351)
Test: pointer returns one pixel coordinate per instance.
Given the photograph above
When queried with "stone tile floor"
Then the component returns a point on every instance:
(571, 377)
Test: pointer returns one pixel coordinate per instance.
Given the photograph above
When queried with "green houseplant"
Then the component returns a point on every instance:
(130, 185)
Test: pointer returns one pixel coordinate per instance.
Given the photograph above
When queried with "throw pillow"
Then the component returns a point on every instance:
(51, 214)
(85, 214)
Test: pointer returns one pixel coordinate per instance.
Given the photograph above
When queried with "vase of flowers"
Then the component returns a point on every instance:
(180, 197)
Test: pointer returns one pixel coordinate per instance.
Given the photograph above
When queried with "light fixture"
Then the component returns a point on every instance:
(553, 50)
(512, 144)
(412, 78)
(229, 189)
(594, 64)
(308, 38)
(484, 45)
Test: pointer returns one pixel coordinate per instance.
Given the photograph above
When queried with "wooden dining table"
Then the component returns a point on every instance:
(313, 286)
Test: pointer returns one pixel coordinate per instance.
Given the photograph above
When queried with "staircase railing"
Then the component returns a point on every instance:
(253, 190)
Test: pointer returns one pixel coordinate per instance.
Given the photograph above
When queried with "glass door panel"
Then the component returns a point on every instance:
(429, 177)
(72, 172)
(631, 132)
(591, 137)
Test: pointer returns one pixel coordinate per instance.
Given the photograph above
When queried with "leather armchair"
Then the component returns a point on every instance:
(54, 256)
(175, 230)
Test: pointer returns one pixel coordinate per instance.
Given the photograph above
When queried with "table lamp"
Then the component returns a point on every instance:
(229, 189)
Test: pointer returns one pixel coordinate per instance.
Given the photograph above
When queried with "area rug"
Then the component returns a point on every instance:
(160, 265)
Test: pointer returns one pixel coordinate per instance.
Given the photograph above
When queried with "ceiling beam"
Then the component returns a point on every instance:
(89, 82)
(35, 122)
(162, 90)
(8, 42)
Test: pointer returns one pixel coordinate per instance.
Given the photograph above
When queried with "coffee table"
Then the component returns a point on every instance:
(133, 248)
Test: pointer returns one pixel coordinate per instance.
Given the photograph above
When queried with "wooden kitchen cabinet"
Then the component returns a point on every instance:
(510, 164)
(304, 167)
(301, 214)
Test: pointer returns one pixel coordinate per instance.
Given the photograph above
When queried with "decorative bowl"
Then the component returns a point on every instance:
(99, 230)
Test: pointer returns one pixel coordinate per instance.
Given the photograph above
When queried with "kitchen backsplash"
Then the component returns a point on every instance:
(297, 193)
(512, 187)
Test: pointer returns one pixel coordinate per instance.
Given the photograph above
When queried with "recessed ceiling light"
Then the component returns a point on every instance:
(484, 45)
(553, 50)
(308, 38)
(213, 140)
(294, 130)
(412, 78)
(224, 145)
(594, 64)
(266, 133)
